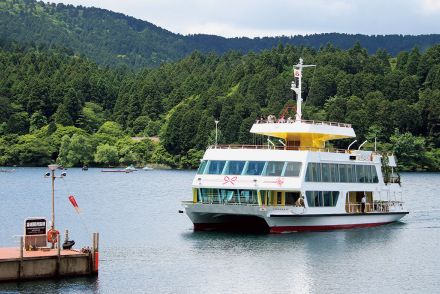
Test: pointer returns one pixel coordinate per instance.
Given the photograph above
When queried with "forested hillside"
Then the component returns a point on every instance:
(56, 105)
(114, 39)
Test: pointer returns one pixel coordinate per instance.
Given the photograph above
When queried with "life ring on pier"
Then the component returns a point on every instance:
(52, 236)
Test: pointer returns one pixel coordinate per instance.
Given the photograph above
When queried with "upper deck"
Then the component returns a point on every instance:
(303, 133)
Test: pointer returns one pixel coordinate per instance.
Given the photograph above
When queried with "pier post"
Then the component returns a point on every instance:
(58, 255)
(20, 265)
(95, 253)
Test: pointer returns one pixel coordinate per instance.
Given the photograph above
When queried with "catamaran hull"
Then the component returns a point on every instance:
(261, 220)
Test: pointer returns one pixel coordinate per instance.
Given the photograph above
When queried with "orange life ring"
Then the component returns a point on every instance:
(52, 236)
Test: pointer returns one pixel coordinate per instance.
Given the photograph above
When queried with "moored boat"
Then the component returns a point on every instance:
(300, 185)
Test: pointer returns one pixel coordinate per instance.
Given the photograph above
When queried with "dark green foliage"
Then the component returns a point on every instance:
(115, 39)
(98, 108)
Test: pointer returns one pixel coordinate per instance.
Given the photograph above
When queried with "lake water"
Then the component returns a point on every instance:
(147, 247)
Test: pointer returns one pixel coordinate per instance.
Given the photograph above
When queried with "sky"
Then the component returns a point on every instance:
(258, 18)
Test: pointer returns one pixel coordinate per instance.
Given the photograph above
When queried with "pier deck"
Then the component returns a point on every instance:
(17, 264)
(12, 253)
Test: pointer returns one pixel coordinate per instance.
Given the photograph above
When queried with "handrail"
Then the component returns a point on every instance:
(291, 148)
(376, 206)
(311, 122)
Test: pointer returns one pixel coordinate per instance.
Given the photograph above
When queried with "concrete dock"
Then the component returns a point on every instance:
(17, 264)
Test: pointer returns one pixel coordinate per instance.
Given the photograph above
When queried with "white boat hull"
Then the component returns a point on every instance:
(275, 220)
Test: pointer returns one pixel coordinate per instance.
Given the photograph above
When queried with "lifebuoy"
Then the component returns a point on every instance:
(52, 236)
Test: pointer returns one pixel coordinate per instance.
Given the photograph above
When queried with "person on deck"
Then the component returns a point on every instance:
(363, 203)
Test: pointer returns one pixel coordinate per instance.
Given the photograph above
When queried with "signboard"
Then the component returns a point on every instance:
(35, 226)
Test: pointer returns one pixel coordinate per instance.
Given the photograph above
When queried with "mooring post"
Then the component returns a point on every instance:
(58, 255)
(95, 253)
(20, 266)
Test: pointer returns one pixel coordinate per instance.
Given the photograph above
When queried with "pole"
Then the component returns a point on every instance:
(53, 201)
(216, 132)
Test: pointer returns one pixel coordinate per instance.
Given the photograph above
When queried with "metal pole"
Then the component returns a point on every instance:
(20, 268)
(216, 132)
(53, 201)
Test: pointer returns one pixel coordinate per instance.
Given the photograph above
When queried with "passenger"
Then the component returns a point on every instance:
(363, 203)
(289, 120)
(300, 202)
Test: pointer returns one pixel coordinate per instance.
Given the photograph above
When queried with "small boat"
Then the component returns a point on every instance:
(7, 170)
(85, 167)
(130, 168)
(116, 171)
(147, 168)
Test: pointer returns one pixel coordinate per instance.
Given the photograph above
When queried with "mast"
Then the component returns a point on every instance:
(296, 86)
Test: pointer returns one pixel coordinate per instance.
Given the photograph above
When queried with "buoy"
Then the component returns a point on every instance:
(52, 236)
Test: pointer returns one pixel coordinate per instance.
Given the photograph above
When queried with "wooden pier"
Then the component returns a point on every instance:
(17, 264)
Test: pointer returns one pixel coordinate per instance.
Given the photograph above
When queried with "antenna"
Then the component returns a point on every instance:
(296, 86)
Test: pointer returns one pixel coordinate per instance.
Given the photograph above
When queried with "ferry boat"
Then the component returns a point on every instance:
(299, 185)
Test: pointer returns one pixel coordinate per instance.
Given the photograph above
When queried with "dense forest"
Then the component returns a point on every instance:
(115, 39)
(55, 105)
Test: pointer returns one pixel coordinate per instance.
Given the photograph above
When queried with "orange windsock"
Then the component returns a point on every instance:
(75, 205)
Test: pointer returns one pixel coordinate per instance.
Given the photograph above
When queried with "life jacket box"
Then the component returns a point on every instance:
(35, 233)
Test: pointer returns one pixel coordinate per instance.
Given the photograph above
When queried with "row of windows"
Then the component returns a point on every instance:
(227, 196)
(250, 168)
(244, 196)
(341, 173)
(322, 198)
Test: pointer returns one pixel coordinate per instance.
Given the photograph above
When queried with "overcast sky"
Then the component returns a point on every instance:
(231, 18)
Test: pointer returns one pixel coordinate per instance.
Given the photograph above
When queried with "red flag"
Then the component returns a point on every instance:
(75, 205)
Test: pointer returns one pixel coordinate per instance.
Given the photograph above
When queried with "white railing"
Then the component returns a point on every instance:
(267, 147)
(311, 122)
(376, 206)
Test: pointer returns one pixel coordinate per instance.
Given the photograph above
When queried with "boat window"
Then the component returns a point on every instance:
(292, 169)
(313, 173)
(234, 167)
(343, 173)
(322, 198)
(274, 168)
(334, 173)
(374, 177)
(325, 172)
(202, 167)
(351, 173)
(215, 167)
(225, 196)
(254, 168)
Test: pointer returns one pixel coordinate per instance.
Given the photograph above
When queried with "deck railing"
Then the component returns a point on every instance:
(311, 122)
(376, 206)
(270, 147)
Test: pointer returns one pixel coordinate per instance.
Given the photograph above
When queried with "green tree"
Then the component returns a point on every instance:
(18, 123)
(111, 128)
(80, 151)
(413, 61)
(409, 149)
(106, 155)
(91, 117)
(64, 151)
(38, 120)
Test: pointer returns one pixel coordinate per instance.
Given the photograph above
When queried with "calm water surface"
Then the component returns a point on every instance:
(147, 247)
